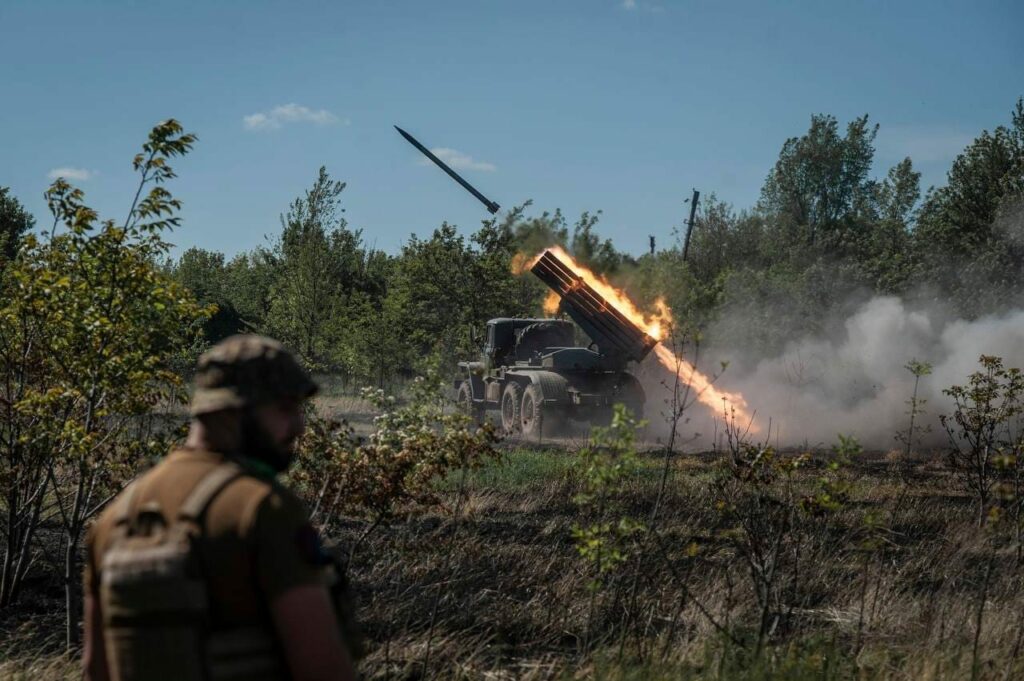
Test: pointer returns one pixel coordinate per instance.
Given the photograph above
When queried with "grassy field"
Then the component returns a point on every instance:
(895, 582)
(500, 591)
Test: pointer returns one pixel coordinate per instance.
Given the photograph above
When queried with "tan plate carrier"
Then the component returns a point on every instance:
(155, 603)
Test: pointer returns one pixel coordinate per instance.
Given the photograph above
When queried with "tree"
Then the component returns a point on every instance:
(434, 287)
(500, 289)
(379, 348)
(320, 262)
(968, 234)
(531, 235)
(442, 286)
(204, 273)
(820, 177)
(15, 223)
(249, 279)
(984, 427)
(90, 324)
(588, 248)
(899, 193)
(889, 257)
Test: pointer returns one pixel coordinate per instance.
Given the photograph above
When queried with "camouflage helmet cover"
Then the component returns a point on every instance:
(247, 369)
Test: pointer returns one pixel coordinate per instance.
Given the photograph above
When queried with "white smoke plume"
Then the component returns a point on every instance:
(856, 382)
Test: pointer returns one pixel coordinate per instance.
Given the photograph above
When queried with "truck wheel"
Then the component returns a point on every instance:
(510, 403)
(531, 414)
(539, 419)
(464, 401)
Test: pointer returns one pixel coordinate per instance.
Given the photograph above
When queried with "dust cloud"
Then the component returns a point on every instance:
(855, 381)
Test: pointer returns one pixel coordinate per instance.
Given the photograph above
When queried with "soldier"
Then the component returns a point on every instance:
(206, 567)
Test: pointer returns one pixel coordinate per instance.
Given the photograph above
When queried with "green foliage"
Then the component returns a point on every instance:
(605, 465)
(433, 278)
(820, 181)
(823, 238)
(413, 448)
(769, 523)
(833, 490)
(969, 233)
(319, 263)
(15, 223)
(203, 272)
(89, 325)
(533, 234)
(588, 248)
(443, 285)
(985, 427)
(248, 279)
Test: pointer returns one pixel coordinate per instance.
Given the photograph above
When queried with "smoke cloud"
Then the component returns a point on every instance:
(855, 381)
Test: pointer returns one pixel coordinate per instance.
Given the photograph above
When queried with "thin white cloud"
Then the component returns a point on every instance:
(923, 144)
(68, 173)
(651, 7)
(459, 161)
(290, 113)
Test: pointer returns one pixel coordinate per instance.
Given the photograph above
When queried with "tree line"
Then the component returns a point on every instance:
(824, 235)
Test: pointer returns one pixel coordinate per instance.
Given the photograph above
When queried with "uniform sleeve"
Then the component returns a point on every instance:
(286, 545)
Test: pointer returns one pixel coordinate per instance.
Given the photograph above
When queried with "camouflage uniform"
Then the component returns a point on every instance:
(252, 536)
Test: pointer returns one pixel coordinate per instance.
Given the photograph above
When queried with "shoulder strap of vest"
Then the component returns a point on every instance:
(208, 488)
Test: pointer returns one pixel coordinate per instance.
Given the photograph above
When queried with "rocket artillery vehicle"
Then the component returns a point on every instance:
(534, 373)
(532, 370)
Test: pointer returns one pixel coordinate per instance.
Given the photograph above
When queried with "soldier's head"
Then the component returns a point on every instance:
(249, 394)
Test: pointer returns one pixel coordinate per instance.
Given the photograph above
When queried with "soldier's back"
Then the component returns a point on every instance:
(249, 546)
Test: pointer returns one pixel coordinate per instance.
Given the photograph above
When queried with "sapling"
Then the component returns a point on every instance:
(758, 505)
(982, 427)
(915, 409)
(604, 465)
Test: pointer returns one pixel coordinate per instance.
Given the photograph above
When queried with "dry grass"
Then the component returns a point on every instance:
(499, 592)
(511, 595)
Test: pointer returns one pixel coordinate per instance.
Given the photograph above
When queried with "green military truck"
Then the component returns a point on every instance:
(534, 373)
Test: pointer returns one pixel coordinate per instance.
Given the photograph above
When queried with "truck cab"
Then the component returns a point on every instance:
(513, 341)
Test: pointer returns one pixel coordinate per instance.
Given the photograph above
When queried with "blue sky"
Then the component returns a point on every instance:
(583, 105)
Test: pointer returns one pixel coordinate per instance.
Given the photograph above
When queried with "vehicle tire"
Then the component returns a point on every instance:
(532, 413)
(511, 401)
(539, 420)
(464, 402)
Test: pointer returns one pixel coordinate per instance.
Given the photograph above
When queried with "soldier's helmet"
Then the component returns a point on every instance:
(248, 370)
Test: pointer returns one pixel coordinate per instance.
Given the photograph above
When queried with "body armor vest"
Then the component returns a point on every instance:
(155, 604)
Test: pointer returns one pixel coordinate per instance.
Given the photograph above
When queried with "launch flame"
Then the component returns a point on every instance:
(656, 324)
